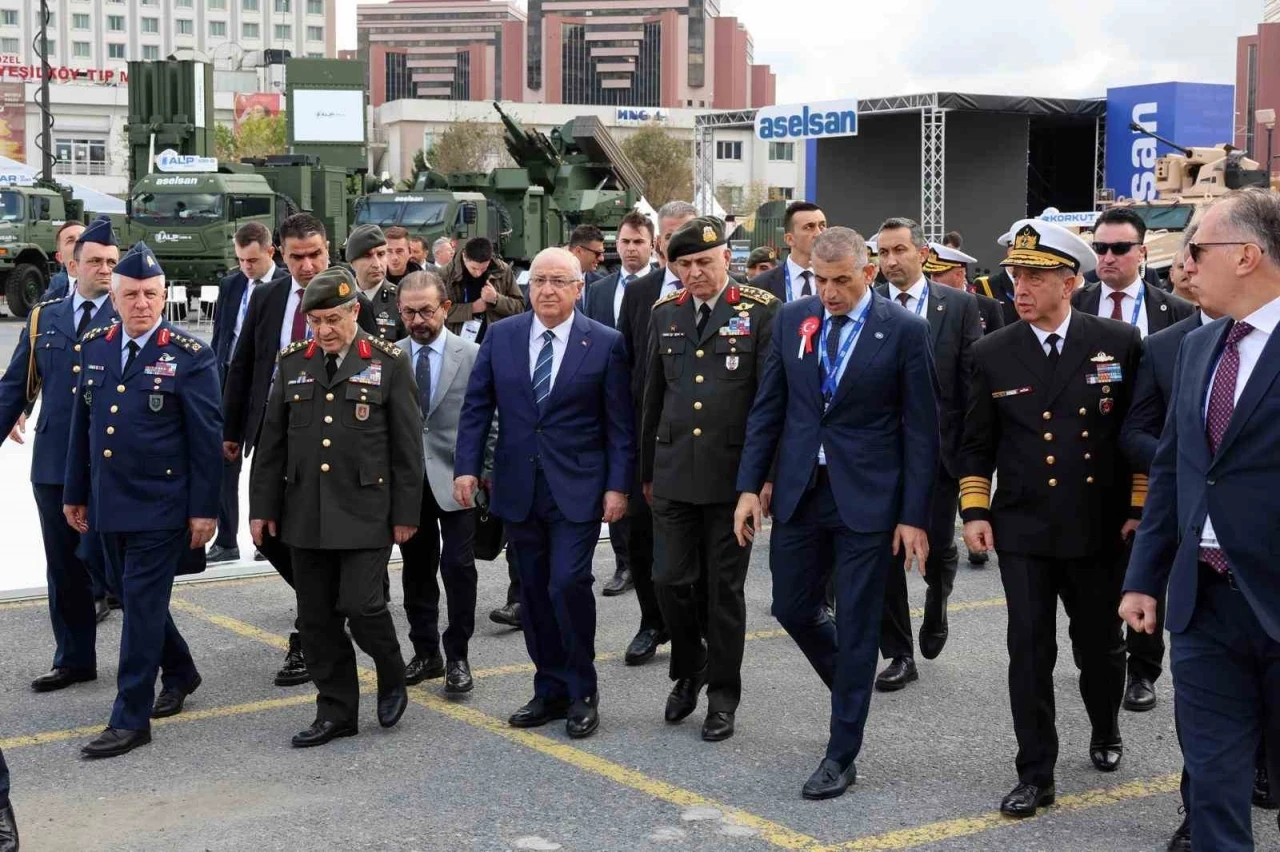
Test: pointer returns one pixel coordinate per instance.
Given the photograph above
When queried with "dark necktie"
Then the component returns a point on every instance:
(903, 298)
(299, 330)
(704, 314)
(1116, 299)
(836, 326)
(330, 365)
(133, 353)
(423, 374)
(1222, 403)
(807, 289)
(542, 369)
(1054, 354)
(87, 313)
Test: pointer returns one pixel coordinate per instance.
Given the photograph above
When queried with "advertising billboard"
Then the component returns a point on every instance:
(255, 105)
(13, 121)
(1191, 114)
(328, 115)
(808, 121)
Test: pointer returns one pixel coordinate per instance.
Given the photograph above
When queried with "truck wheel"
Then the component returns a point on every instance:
(23, 287)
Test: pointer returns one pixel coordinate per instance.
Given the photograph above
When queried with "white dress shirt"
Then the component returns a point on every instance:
(1264, 321)
(249, 285)
(1061, 331)
(624, 278)
(1105, 304)
(670, 284)
(291, 306)
(915, 293)
(844, 336)
(141, 340)
(77, 300)
(798, 274)
(435, 359)
(559, 344)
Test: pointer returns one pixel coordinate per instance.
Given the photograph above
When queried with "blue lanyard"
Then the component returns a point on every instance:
(831, 378)
(924, 297)
(1137, 304)
(786, 277)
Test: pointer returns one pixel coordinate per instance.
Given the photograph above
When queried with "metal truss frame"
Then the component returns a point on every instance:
(933, 172)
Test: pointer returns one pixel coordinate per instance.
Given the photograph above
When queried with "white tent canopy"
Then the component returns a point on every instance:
(94, 201)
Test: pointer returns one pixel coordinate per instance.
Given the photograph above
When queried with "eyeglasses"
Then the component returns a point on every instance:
(1118, 249)
(411, 313)
(558, 283)
(1196, 250)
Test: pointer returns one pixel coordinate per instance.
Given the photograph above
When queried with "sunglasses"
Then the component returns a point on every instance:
(1118, 249)
(1196, 250)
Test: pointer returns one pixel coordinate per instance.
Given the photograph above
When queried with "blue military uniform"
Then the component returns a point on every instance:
(145, 457)
(46, 360)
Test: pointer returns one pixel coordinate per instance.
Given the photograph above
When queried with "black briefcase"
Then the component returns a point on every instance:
(491, 534)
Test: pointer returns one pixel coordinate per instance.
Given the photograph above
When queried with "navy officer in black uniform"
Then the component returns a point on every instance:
(144, 470)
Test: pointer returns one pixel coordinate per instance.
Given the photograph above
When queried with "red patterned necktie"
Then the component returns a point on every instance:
(1222, 402)
(1116, 299)
(299, 329)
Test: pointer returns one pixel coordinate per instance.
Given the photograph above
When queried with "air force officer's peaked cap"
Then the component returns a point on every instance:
(138, 263)
(1038, 244)
(696, 235)
(99, 231)
(330, 289)
(943, 258)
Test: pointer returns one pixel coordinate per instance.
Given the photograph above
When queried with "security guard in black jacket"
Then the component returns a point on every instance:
(1046, 403)
(708, 343)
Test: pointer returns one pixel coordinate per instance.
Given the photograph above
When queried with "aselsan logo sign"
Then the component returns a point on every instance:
(808, 121)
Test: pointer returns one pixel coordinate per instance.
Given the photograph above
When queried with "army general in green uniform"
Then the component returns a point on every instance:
(339, 478)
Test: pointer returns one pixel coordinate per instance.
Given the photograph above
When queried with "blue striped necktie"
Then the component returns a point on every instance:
(542, 369)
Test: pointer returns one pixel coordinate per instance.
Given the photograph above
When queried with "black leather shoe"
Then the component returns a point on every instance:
(619, 584)
(718, 726)
(933, 629)
(294, 671)
(1024, 799)
(422, 668)
(171, 699)
(458, 680)
(978, 560)
(1262, 797)
(114, 742)
(101, 610)
(1106, 755)
(900, 672)
(829, 780)
(1140, 696)
(222, 554)
(683, 699)
(583, 718)
(1181, 840)
(259, 556)
(8, 830)
(321, 732)
(114, 602)
(391, 706)
(61, 678)
(539, 712)
(645, 645)
(508, 615)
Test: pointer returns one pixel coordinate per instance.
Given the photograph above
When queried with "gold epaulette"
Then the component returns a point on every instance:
(385, 345)
(670, 297)
(99, 331)
(1138, 494)
(296, 346)
(755, 294)
(975, 492)
(46, 303)
(188, 343)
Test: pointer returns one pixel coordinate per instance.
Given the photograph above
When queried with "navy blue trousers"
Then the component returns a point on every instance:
(558, 608)
(1226, 671)
(804, 553)
(70, 583)
(229, 504)
(141, 567)
(4, 782)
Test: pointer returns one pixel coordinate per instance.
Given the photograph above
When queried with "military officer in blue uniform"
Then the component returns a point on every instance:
(47, 360)
(144, 466)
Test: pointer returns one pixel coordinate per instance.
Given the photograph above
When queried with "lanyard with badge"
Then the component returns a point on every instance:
(924, 297)
(1137, 305)
(786, 277)
(831, 372)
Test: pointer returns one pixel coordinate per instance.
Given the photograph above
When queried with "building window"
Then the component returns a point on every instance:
(283, 32)
(315, 33)
(52, 51)
(115, 51)
(781, 193)
(217, 29)
(13, 45)
(80, 49)
(250, 6)
(249, 31)
(728, 150)
(150, 25)
(149, 2)
(151, 51)
(315, 56)
(80, 156)
(9, 17)
(185, 26)
(183, 4)
(79, 22)
(115, 23)
(782, 152)
(315, 7)
(216, 4)
(283, 6)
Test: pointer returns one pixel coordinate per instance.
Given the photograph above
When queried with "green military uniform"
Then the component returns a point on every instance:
(386, 311)
(338, 465)
(698, 393)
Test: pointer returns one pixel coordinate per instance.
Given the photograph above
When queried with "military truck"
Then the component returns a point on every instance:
(30, 215)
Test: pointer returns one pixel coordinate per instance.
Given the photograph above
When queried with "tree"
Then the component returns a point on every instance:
(465, 146)
(665, 163)
(256, 136)
(742, 200)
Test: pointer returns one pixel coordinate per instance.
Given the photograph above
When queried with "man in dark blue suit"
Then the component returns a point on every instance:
(563, 462)
(255, 254)
(1208, 530)
(64, 280)
(848, 405)
(47, 359)
(143, 469)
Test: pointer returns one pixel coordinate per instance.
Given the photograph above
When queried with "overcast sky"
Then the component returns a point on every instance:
(851, 48)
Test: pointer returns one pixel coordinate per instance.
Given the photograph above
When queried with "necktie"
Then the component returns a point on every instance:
(1222, 403)
(806, 290)
(1054, 354)
(704, 314)
(903, 298)
(423, 374)
(836, 326)
(1116, 299)
(542, 369)
(628, 280)
(133, 353)
(87, 312)
(330, 365)
(299, 330)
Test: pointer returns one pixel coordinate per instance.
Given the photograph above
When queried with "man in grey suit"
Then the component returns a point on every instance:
(442, 363)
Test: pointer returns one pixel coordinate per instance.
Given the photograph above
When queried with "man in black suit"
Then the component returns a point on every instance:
(953, 329)
(255, 254)
(999, 285)
(586, 243)
(793, 278)
(949, 266)
(1121, 294)
(274, 319)
(633, 322)
(604, 305)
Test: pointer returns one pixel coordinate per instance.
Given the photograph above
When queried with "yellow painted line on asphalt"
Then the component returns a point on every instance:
(29, 603)
(235, 625)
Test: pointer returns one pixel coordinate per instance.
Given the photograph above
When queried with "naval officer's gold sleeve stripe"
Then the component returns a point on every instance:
(975, 492)
(1138, 495)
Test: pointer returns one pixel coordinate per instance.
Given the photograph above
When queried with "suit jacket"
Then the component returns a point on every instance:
(1236, 486)
(244, 393)
(1152, 388)
(1163, 309)
(954, 326)
(633, 322)
(775, 281)
(440, 426)
(999, 286)
(990, 313)
(880, 432)
(58, 365)
(230, 292)
(583, 437)
(598, 299)
(59, 286)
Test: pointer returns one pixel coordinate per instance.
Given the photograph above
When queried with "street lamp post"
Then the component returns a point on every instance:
(1267, 118)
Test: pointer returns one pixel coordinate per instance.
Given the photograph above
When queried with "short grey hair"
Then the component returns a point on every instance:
(677, 210)
(917, 233)
(422, 280)
(117, 279)
(837, 243)
(1255, 213)
(557, 253)
(440, 242)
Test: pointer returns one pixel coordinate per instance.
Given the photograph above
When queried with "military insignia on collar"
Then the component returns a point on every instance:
(1102, 358)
